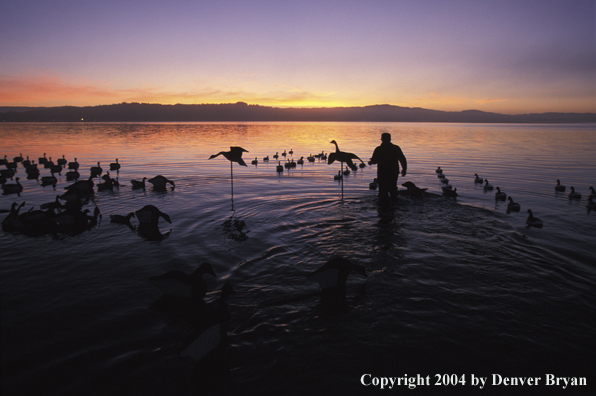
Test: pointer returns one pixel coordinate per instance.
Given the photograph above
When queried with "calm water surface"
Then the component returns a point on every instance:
(454, 287)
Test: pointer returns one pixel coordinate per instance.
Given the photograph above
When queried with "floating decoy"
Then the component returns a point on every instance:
(138, 184)
(18, 158)
(284, 153)
(108, 184)
(72, 175)
(591, 204)
(439, 170)
(334, 273)
(115, 166)
(73, 165)
(374, 185)
(179, 284)
(449, 192)
(30, 165)
(291, 152)
(159, 183)
(532, 221)
(559, 187)
(13, 188)
(7, 173)
(339, 176)
(32, 174)
(84, 187)
(120, 219)
(440, 175)
(513, 206)
(49, 163)
(213, 333)
(150, 215)
(499, 195)
(255, 161)
(413, 190)
(592, 192)
(26, 163)
(343, 156)
(266, 159)
(276, 156)
(487, 185)
(362, 165)
(42, 160)
(95, 170)
(301, 161)
(2, 179)
(56, 169)
(347, 171)
(444, 180)
(11, 166)
(311, 158)
(3, 161)
(478, 180)
(279, 168)
(49, 180)
(62, 161)
(574, 194)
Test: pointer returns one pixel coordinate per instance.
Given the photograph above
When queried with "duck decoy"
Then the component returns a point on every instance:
(334, 273)
(500, 196)
(374, 185)
(138, 184)
(255, 161)
(12, 188)
(120, 219)
(159, 183)
(449, 192)
(179, 284)
(532, 221)
(149, 215)
(559, 187)
(513, 206)
(73, 165)
(96, 170)
(487, 185)
(343, 156)
(115, 166)
(62, 161)
(574, 194)
(478, 180)
(212, 333)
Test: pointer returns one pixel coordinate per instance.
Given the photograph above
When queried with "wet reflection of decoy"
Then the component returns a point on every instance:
(138, 184)
(532, 221)
(343, 156)
(478, 179)
(559, 187)
(12, 188)
(149, 215)
(512, 206)
(574, 194)
(121, 219)
(115, 166)
(212, 333)
(179, 284)
(499, 195)
(334, 273)
(160, 182)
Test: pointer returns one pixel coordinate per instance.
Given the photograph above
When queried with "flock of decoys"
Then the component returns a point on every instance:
(65, 215)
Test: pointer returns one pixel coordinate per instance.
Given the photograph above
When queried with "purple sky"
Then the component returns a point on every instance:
(502, 56)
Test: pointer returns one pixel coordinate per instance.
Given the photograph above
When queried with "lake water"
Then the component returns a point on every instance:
(453, 287)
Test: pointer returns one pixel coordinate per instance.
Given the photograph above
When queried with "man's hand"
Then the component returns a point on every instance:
(403, 172)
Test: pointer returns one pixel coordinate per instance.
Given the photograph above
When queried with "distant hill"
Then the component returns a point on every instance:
(145, 112)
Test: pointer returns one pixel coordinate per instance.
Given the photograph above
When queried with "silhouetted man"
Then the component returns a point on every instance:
(388, 157)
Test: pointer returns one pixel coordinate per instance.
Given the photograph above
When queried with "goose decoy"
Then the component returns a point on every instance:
(42, 160)
(362, 165)
(3, 161)
(574, 194)
(7, 173)
(592, 193)
(18, 158)
(26, 163)
(212, 333)
(439, 170)
(234, 155)
(276, 156)
(301, 161)
(291, 152)
(559, 187)
(441, 176)
(255, 161)
(284, 153)
(49, 180)
(159, 183)
(84, 187)
(444, 180)
(108, 184)
(11, 222)
(179, 284)
(311, 158)
(149, 215)
(279, 168)
(334, 273)
(52, 205)
(591, 204)
(450, 193)
(513, 206)
(56, 169)
(12, 188)
(62, 161)
(49, 163)
(499, 195)
(72, 175)
(478, 180)
(532, 221)
(374, 185)
(413, 190)
(2, 179)
(96, 170)
(343, 156)
(32, 174)
(324, 158)
(347, 171)
(120, 219)
(115, 166)
(487, 185)
(266, 159)
(73, 165)
(339, 176)
(138, 184)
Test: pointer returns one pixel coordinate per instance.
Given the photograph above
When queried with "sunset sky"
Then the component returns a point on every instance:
(506, 56)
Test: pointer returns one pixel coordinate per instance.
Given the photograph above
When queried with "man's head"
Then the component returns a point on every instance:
(386, 137)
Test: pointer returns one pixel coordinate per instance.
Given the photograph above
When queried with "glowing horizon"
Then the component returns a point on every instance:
(503, 57)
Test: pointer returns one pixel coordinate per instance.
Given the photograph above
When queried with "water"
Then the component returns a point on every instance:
(454, 287)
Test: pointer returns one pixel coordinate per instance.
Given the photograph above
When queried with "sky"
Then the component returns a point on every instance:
(504, 56)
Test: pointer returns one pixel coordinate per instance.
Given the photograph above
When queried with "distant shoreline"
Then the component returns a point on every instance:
(242, 112)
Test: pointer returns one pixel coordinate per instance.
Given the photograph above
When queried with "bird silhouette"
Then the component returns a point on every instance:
(343, 156)
(234, 155)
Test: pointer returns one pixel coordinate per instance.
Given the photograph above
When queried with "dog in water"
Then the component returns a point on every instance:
(413, 190)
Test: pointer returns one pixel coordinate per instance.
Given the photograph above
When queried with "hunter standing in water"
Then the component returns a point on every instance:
(388, 157)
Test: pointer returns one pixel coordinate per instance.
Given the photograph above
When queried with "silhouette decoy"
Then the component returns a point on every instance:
(532, 221)
(513, 206)
(487, 185)
(138, 184)
(574, 194)
(84, 187)
(439, 170)
(342, 157)
(95, 170)
(115, 166)
(13, 188)
(149, 215)
(559, 187)
(255, 161)
(449, 192)
(234, 155)
(179, 284)
(500, 196)
(279, 168)
(62, 161)
(73, 165)
(159, 183)
(413, 190)
(478, 180)
(42, 160)
(334, 273)
(49, 180)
